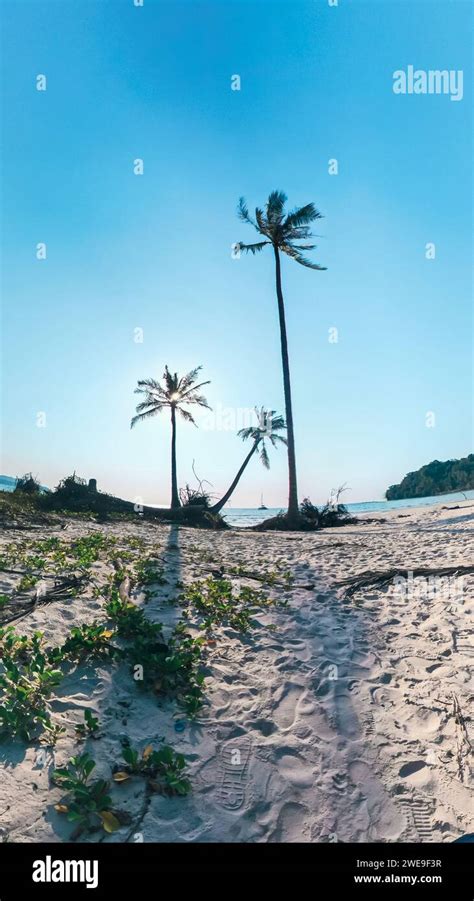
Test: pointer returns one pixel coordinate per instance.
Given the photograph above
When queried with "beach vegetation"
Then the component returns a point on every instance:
(195, 497)
(88, 803)
(91, 641)
(170, 668)
(217, 604)
(24, 692)
(27, 484)
(164, 769)
(148, 572)
(89, 728)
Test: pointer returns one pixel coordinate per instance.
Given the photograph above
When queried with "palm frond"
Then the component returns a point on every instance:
(140, 416)
(246, 433)
(243, 213)
(264, 455)
(150, 385)
(275, 438)
(193, 389)
(188, 379)
(262, 224)
(295, 254)
(186, 415)
(275, 205)
(157, 405)
(198, 399)
(298, 234)
(301, 216)
(252, 248)
(278, 423)
(171, 381)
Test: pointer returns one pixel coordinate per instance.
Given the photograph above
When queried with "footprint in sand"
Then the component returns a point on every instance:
(417, 772)
(285, 711)
(235, 757)
(386, 821)
(340, 781)
(419, 819)
(348, 723)
(295, 772)
(290, 823)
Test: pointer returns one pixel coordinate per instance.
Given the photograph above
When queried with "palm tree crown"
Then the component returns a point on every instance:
(280, 229)
(268, 426)
(176, 393)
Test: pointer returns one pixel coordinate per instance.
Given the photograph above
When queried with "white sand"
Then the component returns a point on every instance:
(342, 711)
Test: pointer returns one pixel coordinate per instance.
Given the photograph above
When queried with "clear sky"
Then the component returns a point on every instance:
(126, 251)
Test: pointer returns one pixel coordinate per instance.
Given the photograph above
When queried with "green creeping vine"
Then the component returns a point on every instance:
(89, 728)
(87, 804)
(217, 605)
(165, 770)
(25, 690)
(169, 667)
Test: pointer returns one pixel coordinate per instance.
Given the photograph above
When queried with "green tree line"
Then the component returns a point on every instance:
(436, 477)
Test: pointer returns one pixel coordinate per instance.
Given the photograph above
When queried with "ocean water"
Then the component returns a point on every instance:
(248, 516)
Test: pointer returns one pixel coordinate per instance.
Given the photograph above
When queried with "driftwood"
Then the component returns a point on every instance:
(371, 578)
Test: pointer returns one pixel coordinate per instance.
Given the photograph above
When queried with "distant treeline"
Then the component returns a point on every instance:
(435, 478)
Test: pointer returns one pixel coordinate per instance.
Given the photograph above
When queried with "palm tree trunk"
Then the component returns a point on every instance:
(293, 489)
(174, 477)
(225, 498)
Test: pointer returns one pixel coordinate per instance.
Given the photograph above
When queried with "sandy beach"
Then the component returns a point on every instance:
(341, 716)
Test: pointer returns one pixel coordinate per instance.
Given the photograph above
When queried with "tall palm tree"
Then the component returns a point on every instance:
(176, 394)
(283, 232)
(268, 426)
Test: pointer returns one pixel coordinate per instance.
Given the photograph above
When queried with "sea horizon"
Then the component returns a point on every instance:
(240, 516)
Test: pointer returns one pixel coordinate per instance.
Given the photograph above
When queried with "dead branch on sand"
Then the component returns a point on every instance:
(372, 578)
(22, 605)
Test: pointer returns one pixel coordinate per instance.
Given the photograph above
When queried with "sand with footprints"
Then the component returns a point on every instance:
(343, 715)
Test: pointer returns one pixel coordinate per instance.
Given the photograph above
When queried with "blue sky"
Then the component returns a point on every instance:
(154, 251)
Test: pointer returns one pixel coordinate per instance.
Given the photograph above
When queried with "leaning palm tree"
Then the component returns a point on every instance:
(268, 427)
(176, 394)
(282, 231)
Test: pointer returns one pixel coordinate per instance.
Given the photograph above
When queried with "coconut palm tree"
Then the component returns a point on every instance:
(283, 232)
(176, 394)
(268, 426)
